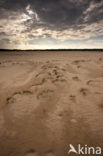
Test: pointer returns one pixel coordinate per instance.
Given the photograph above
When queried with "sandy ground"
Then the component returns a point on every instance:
(49, 100)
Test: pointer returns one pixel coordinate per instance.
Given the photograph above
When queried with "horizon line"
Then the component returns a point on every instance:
(85, 49)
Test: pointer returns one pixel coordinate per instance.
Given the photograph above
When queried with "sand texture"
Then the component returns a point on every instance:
(49, 100)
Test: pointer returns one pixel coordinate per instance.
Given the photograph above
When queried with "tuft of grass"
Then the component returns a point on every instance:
(83, 91)
(49, 73)
(58, 80)
(44, 67)
(58, 76)
(16, 93)
(53, 81)
(44, 93)
(36, 75)
(72, 97)
(62, 80)
(27, 92)
(55, 72)
(75, 78)
(43, 80)
(9, 100)
(76, 62)
(40, 83)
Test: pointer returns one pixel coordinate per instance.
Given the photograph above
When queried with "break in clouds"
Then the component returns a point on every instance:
(33, 24)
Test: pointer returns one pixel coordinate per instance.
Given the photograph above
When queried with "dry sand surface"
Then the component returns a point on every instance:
(49, 100)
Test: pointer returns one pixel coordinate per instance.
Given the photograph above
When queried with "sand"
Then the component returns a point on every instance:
(49, 100)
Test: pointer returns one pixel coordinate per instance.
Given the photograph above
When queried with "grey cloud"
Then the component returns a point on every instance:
(4, 42)
(2, 33)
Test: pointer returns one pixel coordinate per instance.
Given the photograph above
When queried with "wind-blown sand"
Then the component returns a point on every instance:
(49, 100)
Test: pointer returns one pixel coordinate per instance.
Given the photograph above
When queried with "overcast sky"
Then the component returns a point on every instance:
(44, 24)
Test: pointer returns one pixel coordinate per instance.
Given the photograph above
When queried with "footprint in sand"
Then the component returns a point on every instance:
(50, 153)
(31, 152)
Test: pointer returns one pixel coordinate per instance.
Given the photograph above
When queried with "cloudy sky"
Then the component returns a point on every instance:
(44, 24)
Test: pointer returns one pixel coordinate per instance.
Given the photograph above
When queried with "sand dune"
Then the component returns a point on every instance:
(49, 100)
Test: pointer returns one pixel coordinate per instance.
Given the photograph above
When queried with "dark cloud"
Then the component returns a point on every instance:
(57, 14)
(14, 5)
(51, 15)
